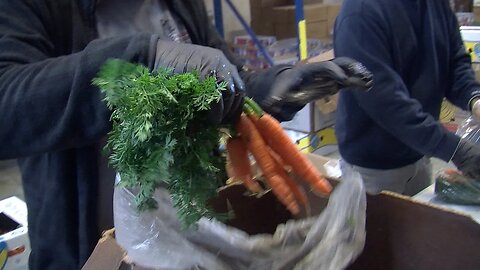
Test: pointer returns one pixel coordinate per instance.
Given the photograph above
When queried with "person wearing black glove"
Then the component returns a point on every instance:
(54, 121)
(207, 61)
(467, 159)
(289, 88)
(390, 133)
(281, 91)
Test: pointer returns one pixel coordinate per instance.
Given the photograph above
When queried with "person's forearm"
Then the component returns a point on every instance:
(475, 107)
(51, 104)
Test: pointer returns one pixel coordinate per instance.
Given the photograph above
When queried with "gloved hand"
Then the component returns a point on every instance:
(467, 159)
(476, 109)
(296, 86)
(207, 61)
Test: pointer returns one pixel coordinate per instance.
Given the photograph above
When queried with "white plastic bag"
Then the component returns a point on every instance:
(470, 130)
(331, 240)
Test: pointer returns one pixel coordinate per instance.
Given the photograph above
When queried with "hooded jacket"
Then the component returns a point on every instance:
(416, 53)
(53, 120)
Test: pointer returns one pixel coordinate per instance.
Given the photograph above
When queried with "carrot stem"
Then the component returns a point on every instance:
(247, 109)
(255, 107)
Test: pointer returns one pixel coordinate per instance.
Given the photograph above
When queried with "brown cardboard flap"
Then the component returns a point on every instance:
(107, 255)
(404, 235)
(312, 13)
(328, 104)
(326, 56)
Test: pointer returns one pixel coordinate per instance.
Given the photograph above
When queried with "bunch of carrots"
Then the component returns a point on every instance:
(261, 135)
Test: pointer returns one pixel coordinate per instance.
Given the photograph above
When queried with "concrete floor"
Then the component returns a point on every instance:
(10, 182)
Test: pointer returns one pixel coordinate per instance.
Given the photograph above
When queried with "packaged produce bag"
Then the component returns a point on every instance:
(331, 240)
(453, 187)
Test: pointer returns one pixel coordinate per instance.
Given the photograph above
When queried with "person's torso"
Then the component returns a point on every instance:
(73, 177)
(128, 17)
(419, 45)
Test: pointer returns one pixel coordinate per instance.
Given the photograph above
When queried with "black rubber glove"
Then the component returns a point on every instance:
(476, 108)
(207, 61)
(296, 86)
(467, 159)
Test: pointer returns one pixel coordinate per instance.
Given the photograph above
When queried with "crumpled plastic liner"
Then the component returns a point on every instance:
(331, 240)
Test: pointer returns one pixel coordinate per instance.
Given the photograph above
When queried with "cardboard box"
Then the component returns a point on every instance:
(476, 69)
(316, 30)
(320, 19)
(405, 234)
(402, 234)
(259, 13)
(275, 18)
(310, 119)
(14, 241)
(476, 13)
(312, 13)
(326, 56)
(332, 14)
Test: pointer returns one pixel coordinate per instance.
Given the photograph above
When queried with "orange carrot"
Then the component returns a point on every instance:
(280, 189)
(274, 155)
(279, 141)
(240, 165)
(451, 172)
(298, 192)
(277, 158)
(229, 169)
(256, 145)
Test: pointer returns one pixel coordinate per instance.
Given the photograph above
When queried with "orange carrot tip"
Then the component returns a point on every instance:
(237, 155)
(284, 194)
(321, 188)
(256, 145)
(252, 185)
(451, 172)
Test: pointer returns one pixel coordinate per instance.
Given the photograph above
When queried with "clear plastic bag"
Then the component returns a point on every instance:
(470, 130)
(331, 240)
(450, 185)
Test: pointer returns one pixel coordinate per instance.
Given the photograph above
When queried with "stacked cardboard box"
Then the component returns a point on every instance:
(277, 18)
(320, 19)
(259, 9)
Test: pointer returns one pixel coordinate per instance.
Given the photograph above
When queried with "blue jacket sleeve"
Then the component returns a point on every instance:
(464, 86)
(366, 39)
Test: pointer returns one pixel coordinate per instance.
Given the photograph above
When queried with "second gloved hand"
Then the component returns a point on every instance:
(207, 61)
(467, 159)
(476, 109)
(295, 86)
